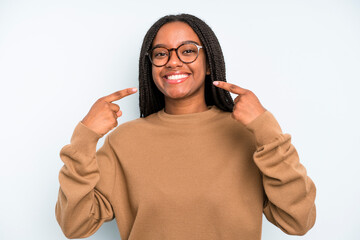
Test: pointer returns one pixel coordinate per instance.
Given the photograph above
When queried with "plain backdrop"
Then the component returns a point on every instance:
(301, 59)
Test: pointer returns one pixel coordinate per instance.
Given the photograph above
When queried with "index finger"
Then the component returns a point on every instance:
(119, 94)
(230, 87)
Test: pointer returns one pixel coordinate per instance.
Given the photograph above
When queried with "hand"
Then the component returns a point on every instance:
(247, 106)
(103, 115)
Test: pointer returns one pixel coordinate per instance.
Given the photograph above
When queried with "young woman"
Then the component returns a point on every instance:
(195, 165)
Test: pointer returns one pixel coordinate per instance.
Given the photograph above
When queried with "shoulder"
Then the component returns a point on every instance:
(233, 129)
(228, 122)
(133, 127)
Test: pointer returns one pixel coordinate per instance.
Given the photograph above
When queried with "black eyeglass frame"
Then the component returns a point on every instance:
(148, 53)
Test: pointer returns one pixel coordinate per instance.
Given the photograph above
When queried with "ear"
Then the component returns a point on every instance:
(207, 69)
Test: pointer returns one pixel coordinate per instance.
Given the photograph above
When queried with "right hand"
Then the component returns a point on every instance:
(103, 115)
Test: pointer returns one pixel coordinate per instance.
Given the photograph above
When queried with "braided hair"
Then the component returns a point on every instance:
(151, 99)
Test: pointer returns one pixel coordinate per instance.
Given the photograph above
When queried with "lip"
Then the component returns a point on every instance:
(176, 81)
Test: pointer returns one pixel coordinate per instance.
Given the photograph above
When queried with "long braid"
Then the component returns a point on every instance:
(151, 99)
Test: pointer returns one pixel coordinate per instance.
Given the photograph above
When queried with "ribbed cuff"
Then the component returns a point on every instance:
(265, 128)
(84, 139)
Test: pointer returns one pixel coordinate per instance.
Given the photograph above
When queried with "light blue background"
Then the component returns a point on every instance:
(301, 58)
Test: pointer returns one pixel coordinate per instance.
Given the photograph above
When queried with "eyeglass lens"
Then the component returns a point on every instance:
(187, 54)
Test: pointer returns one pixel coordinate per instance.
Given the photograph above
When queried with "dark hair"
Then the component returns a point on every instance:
(152, 99)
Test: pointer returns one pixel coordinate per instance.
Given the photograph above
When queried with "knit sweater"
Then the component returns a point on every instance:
(192, 176)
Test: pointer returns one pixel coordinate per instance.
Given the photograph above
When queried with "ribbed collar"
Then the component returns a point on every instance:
(189, 118)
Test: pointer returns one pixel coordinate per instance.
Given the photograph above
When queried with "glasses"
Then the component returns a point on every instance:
(186, 52)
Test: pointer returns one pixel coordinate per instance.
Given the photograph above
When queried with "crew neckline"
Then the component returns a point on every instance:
(189, 117)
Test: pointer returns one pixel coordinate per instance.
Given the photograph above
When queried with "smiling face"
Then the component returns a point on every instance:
(178, 80)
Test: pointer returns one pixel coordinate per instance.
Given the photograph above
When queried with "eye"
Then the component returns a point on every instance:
(160, 54)
(188, 51)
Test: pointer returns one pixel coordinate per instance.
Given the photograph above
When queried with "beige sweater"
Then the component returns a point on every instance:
(193, 176)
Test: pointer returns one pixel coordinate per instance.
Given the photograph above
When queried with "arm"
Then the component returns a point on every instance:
(86, 182)
(290, 193)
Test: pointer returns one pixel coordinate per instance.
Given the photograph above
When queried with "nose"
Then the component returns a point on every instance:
(174, 61)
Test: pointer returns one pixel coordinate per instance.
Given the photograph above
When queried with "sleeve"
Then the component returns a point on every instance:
(290, 193)
(86, 182)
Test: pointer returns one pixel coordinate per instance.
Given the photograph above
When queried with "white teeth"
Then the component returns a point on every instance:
(177, 76)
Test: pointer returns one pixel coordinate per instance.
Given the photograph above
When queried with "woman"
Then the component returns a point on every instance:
(195, 165)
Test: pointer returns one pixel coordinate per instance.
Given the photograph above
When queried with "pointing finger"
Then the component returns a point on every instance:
(119, 94)
(230, 87)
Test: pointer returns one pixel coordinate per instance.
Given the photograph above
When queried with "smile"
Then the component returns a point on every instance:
(176, 78)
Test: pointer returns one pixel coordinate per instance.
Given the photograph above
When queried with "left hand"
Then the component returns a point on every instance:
(247, 106)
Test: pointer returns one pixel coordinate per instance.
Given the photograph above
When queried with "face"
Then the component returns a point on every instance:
(178, 80)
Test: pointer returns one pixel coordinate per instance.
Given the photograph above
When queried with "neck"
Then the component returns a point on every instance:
(178, 107)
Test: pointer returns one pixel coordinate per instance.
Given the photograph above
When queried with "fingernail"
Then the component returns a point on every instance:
(134, 89)
(216, 83)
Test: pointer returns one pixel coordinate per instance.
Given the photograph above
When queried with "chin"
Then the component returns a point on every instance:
(178, 95)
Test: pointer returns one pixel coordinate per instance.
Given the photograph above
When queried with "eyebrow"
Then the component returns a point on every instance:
(188, 41)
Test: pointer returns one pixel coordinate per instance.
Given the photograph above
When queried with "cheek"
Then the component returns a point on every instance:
(200, 69)
(157, 79)
(155, 74)
(202, 63)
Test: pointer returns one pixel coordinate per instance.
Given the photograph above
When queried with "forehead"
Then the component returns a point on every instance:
(175, 33)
